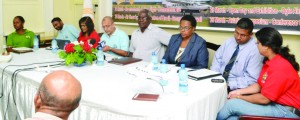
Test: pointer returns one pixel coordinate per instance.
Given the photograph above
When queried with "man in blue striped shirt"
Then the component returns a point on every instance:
(248, 62)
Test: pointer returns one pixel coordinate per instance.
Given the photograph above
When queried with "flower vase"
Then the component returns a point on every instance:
(80, 65)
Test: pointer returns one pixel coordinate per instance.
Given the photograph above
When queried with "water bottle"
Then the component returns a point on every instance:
(163, 70)
(154, 62)
(35, 43)
(183, 79)
(54, 45)
(100, 57)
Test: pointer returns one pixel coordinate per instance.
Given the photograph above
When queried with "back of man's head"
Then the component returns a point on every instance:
(59, 94)
(245, 23)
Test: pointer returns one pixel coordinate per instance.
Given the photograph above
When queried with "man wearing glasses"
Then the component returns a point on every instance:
(238, 58)
(116, 41)
(148, 38)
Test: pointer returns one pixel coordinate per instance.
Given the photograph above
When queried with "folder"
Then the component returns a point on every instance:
(124, 61)
(145, 97)
(201, 74)
(22, 50)
(204, 77)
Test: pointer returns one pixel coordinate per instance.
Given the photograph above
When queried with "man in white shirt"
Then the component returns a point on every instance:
(148, 38)
(65, 31)
(58, 95)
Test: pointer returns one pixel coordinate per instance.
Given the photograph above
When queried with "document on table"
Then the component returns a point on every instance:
(202, 74)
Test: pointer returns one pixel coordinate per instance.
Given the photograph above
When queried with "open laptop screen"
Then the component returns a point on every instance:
(61, 43)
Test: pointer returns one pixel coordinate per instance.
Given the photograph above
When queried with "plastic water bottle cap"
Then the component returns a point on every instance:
(182, 65)
(153, 53)
(163, 61)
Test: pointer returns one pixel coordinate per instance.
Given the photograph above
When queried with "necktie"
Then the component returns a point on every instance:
(230, 63)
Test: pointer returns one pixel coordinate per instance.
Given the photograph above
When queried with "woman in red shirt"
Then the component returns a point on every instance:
(88, 33)
(278, 84)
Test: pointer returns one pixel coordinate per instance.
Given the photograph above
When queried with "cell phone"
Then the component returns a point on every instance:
(217, 80)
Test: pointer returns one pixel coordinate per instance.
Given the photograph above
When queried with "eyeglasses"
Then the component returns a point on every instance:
(186, 28)
(240, 35)
(141, 18)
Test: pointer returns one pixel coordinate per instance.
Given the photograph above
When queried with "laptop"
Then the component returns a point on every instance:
(61, 43)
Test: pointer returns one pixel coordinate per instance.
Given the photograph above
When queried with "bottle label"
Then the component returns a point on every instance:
(100, 58)
(183, 81)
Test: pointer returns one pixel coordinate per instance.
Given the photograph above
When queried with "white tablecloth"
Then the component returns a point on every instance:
(108, 91)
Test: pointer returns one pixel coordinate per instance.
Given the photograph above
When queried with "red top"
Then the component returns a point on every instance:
(94, 35)
(280, 82)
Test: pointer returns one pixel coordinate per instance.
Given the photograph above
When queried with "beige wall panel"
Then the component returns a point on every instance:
(31, 10)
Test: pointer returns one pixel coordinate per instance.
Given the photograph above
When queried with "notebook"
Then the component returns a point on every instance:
(61, 43)
(22, 50)
(145, 97)
(124, 60)
(201, 74)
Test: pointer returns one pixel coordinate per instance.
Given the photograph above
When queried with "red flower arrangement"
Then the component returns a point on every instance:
(78, 53)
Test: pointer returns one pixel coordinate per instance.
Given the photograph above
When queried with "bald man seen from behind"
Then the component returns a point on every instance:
(58, 95)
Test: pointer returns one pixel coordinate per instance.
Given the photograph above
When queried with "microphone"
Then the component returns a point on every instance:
(92, 41)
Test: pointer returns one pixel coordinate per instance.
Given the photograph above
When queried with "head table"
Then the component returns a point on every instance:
(107, 91)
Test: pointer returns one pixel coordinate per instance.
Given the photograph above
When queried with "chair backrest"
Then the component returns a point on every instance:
(129, 36)
(100, 34)
(212, 48)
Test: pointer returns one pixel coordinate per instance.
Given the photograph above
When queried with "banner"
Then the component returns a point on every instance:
(280, 14)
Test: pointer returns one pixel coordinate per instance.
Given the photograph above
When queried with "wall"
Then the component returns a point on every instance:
(32, 11)
(1, 26)
(70, 11)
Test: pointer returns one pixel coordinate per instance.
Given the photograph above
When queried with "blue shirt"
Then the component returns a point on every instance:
(118, 40)
(68, 32)
(247, 66)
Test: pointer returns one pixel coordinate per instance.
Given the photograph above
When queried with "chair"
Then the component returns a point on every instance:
(250, 117)
(100, 34)
(212, 48)
(129, 36)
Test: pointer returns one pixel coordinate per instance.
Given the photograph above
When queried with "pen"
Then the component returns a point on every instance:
(188, 70)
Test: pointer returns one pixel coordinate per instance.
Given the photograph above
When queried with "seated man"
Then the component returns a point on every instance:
(21, 37)
(148, 38)
(238, 58)
(65, 31)
(117, 41)
(58, 95)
